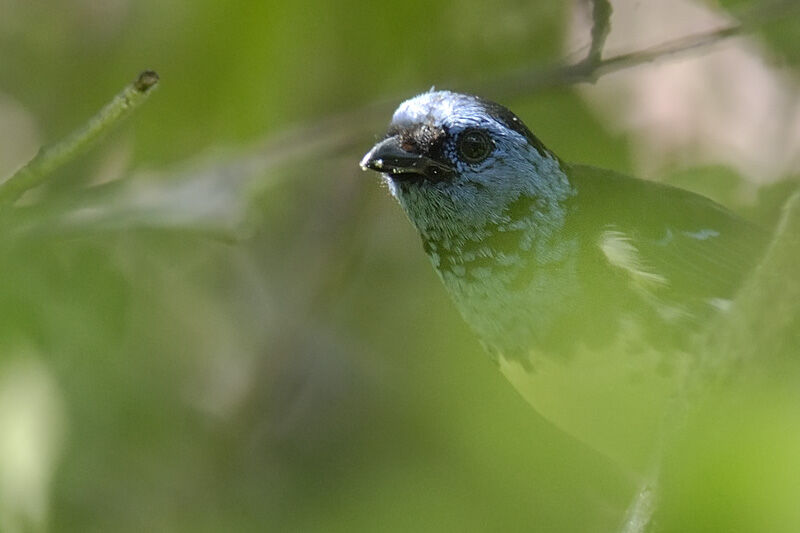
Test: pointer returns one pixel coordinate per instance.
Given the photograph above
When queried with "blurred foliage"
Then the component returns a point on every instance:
(736, 468)
(231, 335)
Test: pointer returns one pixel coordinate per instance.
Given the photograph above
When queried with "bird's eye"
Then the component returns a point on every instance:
(474, 145)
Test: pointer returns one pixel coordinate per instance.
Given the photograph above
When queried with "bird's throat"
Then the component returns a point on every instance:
(499, 273)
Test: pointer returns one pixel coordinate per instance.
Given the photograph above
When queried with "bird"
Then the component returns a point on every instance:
(587, 287)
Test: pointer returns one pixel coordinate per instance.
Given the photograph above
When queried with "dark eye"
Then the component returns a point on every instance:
(474, 145)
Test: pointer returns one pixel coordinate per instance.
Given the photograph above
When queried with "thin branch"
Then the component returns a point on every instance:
(590, 69)
(50, 158)
(750, 336)
(601, 27)
(587, 71)
(640, 514)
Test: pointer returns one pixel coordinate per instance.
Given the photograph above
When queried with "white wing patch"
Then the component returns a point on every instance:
(720, 304)
(702, 235)
(621, 253)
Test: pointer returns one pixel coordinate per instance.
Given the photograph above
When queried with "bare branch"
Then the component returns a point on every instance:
(587, 71)
(50, 158)
(594, 67)
(601, 27)
(764, 323)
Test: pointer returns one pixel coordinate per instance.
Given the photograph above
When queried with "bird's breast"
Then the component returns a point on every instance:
(510, 287)
(613, 399)
(540, 312)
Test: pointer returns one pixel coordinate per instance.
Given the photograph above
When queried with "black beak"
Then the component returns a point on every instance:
(389, 156)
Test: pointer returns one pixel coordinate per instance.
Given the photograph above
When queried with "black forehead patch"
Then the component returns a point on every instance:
(421, 139)
(513, 122)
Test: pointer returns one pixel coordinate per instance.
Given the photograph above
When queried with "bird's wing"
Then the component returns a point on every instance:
(682, 247)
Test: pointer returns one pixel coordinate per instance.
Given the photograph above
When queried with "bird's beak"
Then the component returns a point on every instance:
(389, 156)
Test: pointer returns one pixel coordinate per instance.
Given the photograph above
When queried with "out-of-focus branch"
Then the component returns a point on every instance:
(601, 27)
(50, 158)
(764, 323)
(590, 71)
(640, 513)
(594, 67)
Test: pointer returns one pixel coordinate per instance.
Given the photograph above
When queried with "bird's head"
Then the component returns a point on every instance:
(454, 160)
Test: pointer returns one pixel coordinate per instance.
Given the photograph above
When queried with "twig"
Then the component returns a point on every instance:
(593, 66)
(601, 27)
(49, 159)
(587, 71)
(747, 334)
(640, 513)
